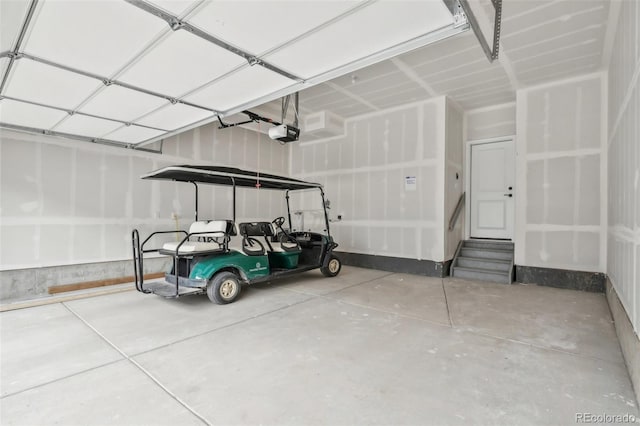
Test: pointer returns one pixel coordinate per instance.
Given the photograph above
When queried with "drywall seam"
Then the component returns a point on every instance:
(549, 155)
(565, 61)
(625, 233)
(407, 106)
(562, 82)
(604, 175)
(369, 169)
(545, 174)
(441, 155)
(576, 176)
(576, 206)
(545, 227)
(454, 164)
(625, 103)
(391, 223)
(491, 108)
(521, 177)
(368, 139)
(420, 157)
(610, 34)
(351, 95)
(546, 22)
(317, 141)
(40, 192)
(413, 76)
(507, 65)
(73, 188)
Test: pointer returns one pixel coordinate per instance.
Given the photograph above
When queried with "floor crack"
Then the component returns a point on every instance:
(446, 301)
(139, 367)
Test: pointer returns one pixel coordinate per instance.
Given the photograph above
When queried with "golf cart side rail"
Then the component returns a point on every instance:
(139, 251)
(138, 255)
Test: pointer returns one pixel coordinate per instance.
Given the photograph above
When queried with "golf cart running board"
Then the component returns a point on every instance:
(166, 289)
(280, 273)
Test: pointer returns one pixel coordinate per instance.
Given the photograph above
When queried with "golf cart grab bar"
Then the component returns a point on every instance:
(177, 231)
(138, 271)
(138, 255)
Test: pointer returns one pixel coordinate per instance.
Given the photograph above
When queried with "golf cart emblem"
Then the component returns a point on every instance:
(258, 268)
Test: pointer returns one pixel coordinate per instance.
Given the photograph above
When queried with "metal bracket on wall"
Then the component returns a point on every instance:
(490, 50)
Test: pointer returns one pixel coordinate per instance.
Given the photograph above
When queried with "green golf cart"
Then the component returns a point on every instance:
(217, 257)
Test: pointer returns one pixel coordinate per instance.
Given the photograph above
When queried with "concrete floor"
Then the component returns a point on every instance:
(366, 347)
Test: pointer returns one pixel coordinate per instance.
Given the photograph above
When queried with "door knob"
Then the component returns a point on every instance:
(508, 195)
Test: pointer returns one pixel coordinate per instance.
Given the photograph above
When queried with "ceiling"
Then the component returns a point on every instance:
(130, 72)
(181, 79)
(541, 41)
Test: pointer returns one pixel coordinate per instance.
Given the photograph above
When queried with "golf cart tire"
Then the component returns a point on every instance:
(333, 267)
(224, 288)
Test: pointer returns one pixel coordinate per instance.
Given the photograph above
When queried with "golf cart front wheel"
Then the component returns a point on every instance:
(224, 288)
(333, 267)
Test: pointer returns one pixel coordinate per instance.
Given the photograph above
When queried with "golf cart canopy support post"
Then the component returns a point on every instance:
(196, 209)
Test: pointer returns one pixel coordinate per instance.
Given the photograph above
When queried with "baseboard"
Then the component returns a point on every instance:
(427, 268)
(561, 278)
(629, 340)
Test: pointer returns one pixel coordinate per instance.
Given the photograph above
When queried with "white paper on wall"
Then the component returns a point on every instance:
(410, 183)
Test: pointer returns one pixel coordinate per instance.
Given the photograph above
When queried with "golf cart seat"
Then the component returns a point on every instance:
(281, 255)
(209, 237)
(245, 243)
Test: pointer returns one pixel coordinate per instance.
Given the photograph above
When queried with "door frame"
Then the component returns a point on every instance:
(467, 179)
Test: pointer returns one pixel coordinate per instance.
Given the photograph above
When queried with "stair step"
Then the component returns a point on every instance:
(486, 253)
(481, 275)
(484, 263)
(492, 245)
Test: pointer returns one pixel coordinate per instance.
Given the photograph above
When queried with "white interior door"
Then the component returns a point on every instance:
(492, 190)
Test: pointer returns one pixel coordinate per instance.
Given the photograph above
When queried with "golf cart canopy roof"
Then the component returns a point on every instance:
(228, 176)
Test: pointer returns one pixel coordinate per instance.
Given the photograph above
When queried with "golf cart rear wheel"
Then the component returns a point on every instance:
(333, 267)
(224, 288)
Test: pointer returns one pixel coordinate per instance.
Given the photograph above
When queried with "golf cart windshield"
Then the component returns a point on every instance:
(307, 211)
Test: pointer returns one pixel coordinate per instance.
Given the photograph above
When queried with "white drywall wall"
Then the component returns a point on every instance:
(453, 179)
(365, 176)
(66, 202)
(623, 247)
(490, 122)
(560, 175)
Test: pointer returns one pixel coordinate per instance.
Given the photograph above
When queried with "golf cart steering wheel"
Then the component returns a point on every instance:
(285, 237)
(279, 221)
